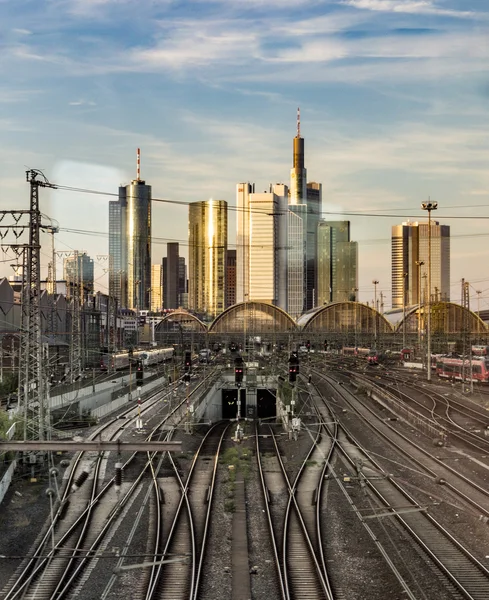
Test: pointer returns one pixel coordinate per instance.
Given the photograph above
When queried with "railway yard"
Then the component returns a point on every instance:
(360, 482)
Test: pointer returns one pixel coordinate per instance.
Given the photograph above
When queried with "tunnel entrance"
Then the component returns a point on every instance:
(229, 403)
(266, 407)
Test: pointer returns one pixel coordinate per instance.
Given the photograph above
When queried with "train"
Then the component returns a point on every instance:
(355, 351)
(120, 360)
(458, 369)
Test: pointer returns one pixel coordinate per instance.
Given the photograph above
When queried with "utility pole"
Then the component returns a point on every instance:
(32, 383)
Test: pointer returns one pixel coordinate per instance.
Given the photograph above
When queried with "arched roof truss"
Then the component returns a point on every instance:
(257, 317)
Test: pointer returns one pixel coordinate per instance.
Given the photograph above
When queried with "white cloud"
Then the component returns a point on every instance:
(407, 6)
(82, 103)
(21, 31)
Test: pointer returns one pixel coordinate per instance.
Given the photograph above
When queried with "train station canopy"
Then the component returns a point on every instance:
(181, 319)
(446, 318)
(258, 317)
(344, 317)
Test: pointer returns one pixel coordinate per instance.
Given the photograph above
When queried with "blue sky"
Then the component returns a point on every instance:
(393, 96)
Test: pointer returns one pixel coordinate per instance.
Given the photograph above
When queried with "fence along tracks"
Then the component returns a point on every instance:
(460, 567)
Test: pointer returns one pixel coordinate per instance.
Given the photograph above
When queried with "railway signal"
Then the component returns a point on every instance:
(293, 367)
(139, 371)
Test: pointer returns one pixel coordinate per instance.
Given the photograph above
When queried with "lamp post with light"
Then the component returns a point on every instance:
(419, 264)
(375, 282)
(429, 206)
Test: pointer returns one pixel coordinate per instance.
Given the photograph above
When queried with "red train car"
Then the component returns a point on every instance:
(459, 369)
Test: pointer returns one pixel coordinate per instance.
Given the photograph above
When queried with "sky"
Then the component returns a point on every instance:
(394, 110)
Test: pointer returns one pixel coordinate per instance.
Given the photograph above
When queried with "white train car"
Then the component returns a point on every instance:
(120, 360)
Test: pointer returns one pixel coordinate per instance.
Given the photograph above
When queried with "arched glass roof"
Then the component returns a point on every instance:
(181, 318)
(446, 318)
(258, 317)
(344, 317)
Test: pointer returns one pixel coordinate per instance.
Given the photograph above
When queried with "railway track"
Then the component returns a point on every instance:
(187, 537)
(298, 557)
(84, 515)
(459, 566)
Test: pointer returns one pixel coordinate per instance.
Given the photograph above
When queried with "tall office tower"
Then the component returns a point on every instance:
(314, 206)
(117, 249)
(130, 244)
(78, 269)
(243, 191)
(182, 283)
(156, 288)
(305, 201)
(337, 263)
(171, 276)
(231, 278)
(295, 264)
(267, 246)
(410, 263)
(208, 231)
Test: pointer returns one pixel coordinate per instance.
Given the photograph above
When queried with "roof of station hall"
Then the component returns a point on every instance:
(309, 315)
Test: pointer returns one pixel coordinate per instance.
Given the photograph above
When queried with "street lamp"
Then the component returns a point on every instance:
(478, 292)
(404, 276)
(375, 282)
(429, 206)
(419, 264)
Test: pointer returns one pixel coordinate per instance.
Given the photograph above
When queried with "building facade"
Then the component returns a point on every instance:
(156, 288)
(171, 276)
(243, 192)
(207, 256)
(409, 248)
(230, 278)
(337, 263)
(78, 271)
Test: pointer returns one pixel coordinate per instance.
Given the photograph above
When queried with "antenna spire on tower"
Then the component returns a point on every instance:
(138, 165)
(298, 122)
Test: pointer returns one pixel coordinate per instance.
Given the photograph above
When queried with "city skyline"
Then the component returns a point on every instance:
(393, 97)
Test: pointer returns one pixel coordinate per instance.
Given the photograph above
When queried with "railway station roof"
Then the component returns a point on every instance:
(259, 317)
(344, 317)
(185, 319)
(446, 318)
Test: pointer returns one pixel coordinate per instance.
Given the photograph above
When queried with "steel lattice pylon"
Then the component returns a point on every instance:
(33, 387)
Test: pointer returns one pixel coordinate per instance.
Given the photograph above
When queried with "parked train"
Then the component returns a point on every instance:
(120, 360)
(459, 368)
(355, 351)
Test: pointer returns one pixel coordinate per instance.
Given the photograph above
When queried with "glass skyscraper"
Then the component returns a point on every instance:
(208, 230)
(337, 263)
(130, 246)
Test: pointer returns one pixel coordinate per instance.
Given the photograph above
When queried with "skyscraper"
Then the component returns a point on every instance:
(410, 263)
(130, 244)
(268, 246)
(207, 256)
(306, 202)
(337, 263)
(171, 275)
